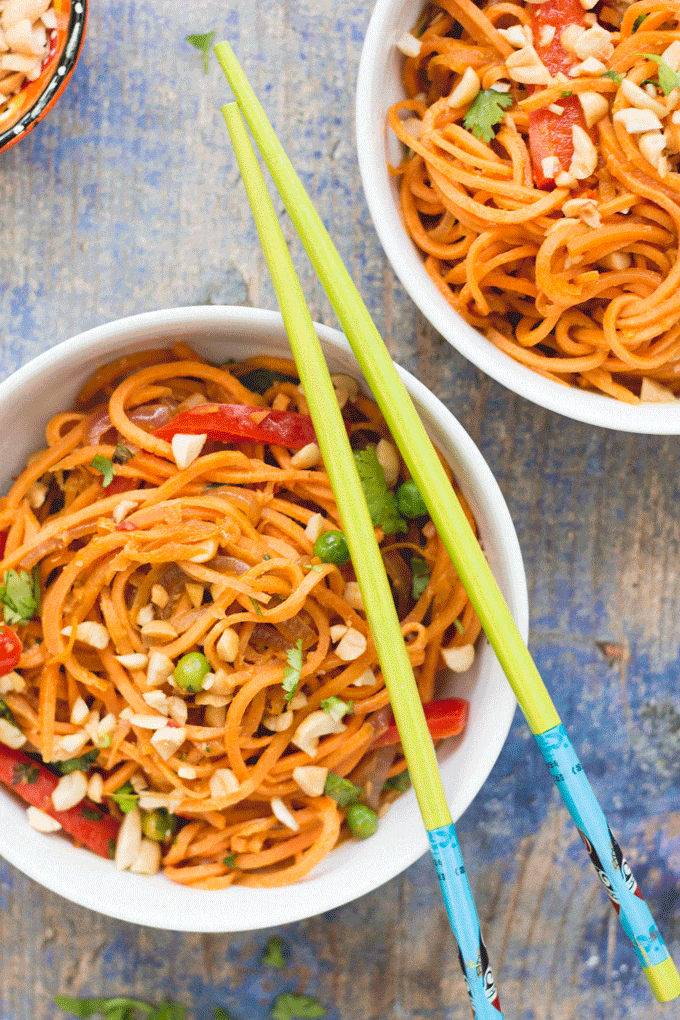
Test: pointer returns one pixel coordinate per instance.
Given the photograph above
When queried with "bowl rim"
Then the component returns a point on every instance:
(57, 81)
(375, 91)
(51, 862)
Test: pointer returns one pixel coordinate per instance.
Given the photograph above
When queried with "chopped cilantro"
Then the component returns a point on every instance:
(485, 111)
(81, 764)
(275, 952)
(288, 1006)
(92, 816)
(336, 707)
(341, 790)
(291, 676)
(618, 78)
(382, 504)
(259, 380)
(126, 798)
(121, 1008)
(638, 21)
(121, 454)
(565, 95)
(230, 861)
(420, 574)
(105, 466)
(20, 595)
(668, 78)
(459, 626)
(400, 783)
(316, 567)
(6, 713)
(256, 606)
(203, 44)
(266, 556)
(221, 1014)
(25, 773)
(112, 848)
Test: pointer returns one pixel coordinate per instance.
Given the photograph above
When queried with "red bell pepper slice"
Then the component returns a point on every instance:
(3, 542)
(86, 822)
(550, 133)
(445, 718)
(231, 423)
(10, 650)
(121, 484)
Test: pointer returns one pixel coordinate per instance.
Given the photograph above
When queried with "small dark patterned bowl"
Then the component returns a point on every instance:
(20, 113)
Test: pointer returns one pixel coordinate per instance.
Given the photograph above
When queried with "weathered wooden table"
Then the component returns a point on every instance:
(128, 198)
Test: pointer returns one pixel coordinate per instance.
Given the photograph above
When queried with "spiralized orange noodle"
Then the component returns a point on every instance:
(580, 282)
(215, 558)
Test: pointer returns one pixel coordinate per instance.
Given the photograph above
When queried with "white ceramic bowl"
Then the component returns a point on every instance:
(48, 384)
(378, 87)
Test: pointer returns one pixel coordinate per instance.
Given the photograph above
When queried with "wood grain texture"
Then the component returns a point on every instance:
(128, 198)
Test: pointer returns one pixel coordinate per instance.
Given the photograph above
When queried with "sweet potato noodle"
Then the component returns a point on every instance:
(570, 268)
(167, 561)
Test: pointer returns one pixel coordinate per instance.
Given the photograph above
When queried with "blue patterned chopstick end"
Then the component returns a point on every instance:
(460, 907)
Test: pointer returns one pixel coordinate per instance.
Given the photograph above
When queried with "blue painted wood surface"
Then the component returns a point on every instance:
(127, 198)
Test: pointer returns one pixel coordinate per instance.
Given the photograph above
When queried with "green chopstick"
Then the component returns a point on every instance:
(462, 546)
(368, 564)
(339, 462)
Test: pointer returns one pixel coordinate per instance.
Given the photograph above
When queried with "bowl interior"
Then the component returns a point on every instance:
(20, 114)
(37, 391)
(378, 87)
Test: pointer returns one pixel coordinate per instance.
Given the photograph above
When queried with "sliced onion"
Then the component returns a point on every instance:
(153, 416)
(372, 773)
(228, 565)
(100, 423)
(243, 499)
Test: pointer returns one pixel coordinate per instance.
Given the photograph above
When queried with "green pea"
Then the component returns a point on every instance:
(362, 820)
(331, 547)
(409, 501)
(190, 671)
(159, 825)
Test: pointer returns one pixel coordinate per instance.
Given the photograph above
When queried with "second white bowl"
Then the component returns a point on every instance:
(378, 87)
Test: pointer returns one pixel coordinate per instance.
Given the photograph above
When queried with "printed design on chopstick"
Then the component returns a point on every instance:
(473, 955)
(605, 853)
(484, 971)
(619, 863)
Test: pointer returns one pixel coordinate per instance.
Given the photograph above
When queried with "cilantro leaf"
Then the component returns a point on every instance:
(221, 1014)
(203, 44)
(400, 783)
(230, 861)
(459, 626)
(335, 707)
(126, 798)
(121, 454)
(382, 504)
(256, 606)
(20, 595)
(341, 790)
(275, 952)
(485, 111)
(111, 1009)
(614, 75)
(25, 773)
(105, 466)
(420, 574)
(668, 78)
(81, 764)
(259, 380)
(288, 1006)
(291, 677)
(638, 21)
(6, 713)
